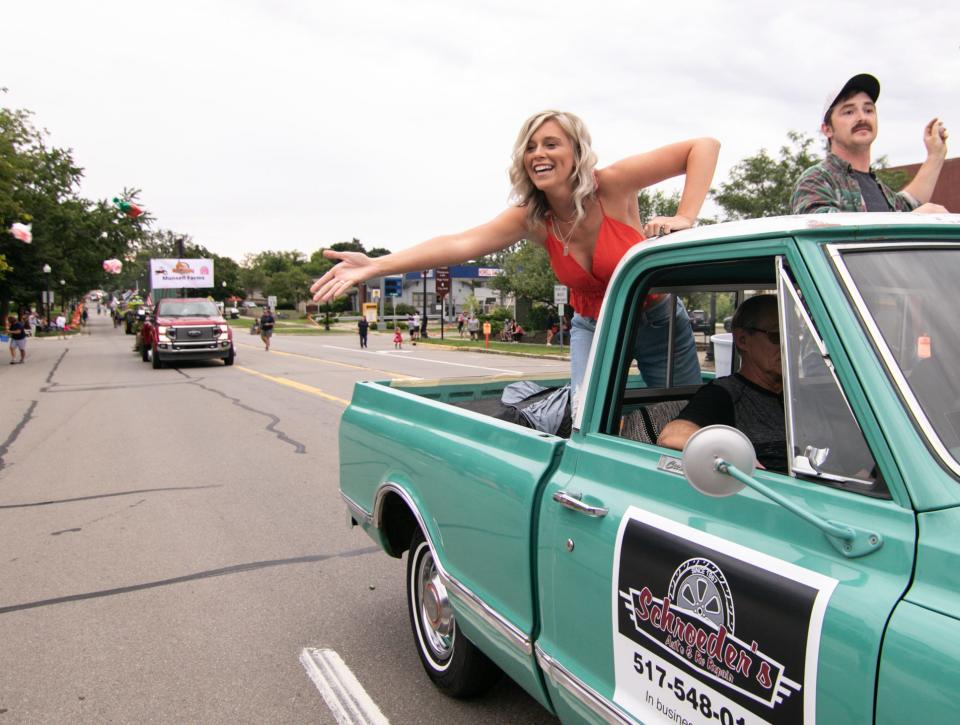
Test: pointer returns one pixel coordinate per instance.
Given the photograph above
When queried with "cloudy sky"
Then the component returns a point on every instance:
(293, 124)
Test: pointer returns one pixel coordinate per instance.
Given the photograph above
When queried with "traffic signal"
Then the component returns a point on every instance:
(393, 286)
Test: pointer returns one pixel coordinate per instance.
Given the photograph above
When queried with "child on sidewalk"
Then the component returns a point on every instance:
(398, 339)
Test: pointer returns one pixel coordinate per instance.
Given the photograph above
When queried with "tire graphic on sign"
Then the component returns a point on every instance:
(699, 587)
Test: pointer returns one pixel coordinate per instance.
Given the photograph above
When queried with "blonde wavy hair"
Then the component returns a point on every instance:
(524, 193)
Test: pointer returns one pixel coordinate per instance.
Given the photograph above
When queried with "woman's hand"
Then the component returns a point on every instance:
(662, 225)
(352, 268)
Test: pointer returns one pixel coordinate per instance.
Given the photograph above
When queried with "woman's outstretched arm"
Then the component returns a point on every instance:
(355, 267)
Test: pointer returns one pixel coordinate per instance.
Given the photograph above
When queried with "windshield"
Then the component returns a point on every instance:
(908, 294)
(193, 308)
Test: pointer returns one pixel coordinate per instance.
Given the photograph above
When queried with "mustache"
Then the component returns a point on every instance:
(863, 125)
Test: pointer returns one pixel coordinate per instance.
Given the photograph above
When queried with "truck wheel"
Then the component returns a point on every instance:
(456, 666)
(157, 363)
(228, 360)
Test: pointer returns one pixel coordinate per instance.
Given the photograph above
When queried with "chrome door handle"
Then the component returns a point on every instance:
(572, 501)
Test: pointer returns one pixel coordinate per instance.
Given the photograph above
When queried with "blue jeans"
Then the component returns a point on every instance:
(649, 347)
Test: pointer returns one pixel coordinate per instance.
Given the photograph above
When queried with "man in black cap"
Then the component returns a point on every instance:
(844, 181)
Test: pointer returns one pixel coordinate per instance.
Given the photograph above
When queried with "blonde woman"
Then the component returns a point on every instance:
(585, 217)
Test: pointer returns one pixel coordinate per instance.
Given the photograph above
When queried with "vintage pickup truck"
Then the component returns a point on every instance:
(591, 572)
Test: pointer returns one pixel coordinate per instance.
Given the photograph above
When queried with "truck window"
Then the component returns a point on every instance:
(824, 437)
(823, 441)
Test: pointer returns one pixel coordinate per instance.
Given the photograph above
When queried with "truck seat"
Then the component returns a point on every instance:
(645, 422)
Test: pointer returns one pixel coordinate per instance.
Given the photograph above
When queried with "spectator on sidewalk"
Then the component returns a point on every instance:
(61, 324)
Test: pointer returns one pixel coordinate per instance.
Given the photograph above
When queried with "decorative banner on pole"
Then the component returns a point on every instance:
(177, 273)
(23, 232)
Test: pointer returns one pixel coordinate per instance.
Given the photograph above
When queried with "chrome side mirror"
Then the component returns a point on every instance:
(702, 451)
(718, 461)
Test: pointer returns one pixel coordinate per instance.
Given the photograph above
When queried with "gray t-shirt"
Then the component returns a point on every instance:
(873, 197)
(757, 412)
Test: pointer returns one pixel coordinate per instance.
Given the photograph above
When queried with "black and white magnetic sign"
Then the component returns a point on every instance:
(708, 630)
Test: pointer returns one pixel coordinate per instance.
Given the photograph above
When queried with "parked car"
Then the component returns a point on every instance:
(187, 329)
(588, 570)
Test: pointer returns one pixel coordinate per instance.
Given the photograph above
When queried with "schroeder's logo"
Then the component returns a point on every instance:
(694, 621)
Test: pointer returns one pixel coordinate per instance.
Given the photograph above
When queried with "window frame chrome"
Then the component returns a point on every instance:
(835, 254)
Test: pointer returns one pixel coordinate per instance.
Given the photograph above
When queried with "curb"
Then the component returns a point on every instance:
(496, 352)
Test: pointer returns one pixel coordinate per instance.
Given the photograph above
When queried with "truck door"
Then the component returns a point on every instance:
(661, 604)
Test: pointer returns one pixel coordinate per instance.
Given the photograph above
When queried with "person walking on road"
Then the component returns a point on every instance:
(397, 339)
(18, 339)
(266, 328)
(362, 327)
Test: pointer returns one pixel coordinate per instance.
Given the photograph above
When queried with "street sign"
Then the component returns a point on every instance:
(442, 281)
(393, 286)
(375, 294)
(559, 294)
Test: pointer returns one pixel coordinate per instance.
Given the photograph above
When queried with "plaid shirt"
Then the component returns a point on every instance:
(831, 187)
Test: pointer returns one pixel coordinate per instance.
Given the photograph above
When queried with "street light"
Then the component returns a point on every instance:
(46, 275)
(63, 294)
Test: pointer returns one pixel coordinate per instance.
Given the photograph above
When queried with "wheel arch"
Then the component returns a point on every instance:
(396, 515)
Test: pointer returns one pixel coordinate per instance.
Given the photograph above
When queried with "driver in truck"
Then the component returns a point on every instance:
(750, 400)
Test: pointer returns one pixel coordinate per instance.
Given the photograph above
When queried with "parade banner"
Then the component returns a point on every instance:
(176, 273)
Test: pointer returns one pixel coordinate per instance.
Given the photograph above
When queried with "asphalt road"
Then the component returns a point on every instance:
(171, 540)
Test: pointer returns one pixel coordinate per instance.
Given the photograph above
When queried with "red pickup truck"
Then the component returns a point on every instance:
(186, 329)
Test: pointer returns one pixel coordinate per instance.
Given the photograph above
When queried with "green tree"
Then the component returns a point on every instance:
(526, 274)
(761, 185)
(290, 286)
(39, 184)
(657, 203)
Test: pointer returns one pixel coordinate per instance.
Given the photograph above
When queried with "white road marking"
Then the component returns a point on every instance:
(344, 695)
(427, 359)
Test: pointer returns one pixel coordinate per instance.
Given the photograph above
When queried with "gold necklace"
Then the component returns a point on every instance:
(565, 241)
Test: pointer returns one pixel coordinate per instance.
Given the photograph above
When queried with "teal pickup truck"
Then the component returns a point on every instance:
(591, 571)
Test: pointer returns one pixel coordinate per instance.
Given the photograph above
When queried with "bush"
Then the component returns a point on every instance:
(540, 317)
(404, 309)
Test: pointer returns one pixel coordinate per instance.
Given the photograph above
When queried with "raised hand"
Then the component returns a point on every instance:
(352, 268)
(935, 138)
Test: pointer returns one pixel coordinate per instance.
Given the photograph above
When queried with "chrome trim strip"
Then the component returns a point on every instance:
(596, 703)
(357, 511)
(514, 636)
(913, 405)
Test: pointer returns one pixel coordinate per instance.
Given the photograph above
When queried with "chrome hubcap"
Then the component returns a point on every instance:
(439, 625)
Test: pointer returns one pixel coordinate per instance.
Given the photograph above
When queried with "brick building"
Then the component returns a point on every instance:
(947, 191)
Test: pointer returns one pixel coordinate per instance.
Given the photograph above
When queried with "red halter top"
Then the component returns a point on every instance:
(586, 288)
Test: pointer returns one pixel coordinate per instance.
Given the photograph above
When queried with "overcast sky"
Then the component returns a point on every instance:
(288, 124)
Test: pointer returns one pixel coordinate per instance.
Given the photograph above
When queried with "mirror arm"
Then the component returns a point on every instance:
(848, 540)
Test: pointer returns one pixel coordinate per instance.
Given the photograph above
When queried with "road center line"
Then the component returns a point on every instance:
(343, 693)
(302, 387)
